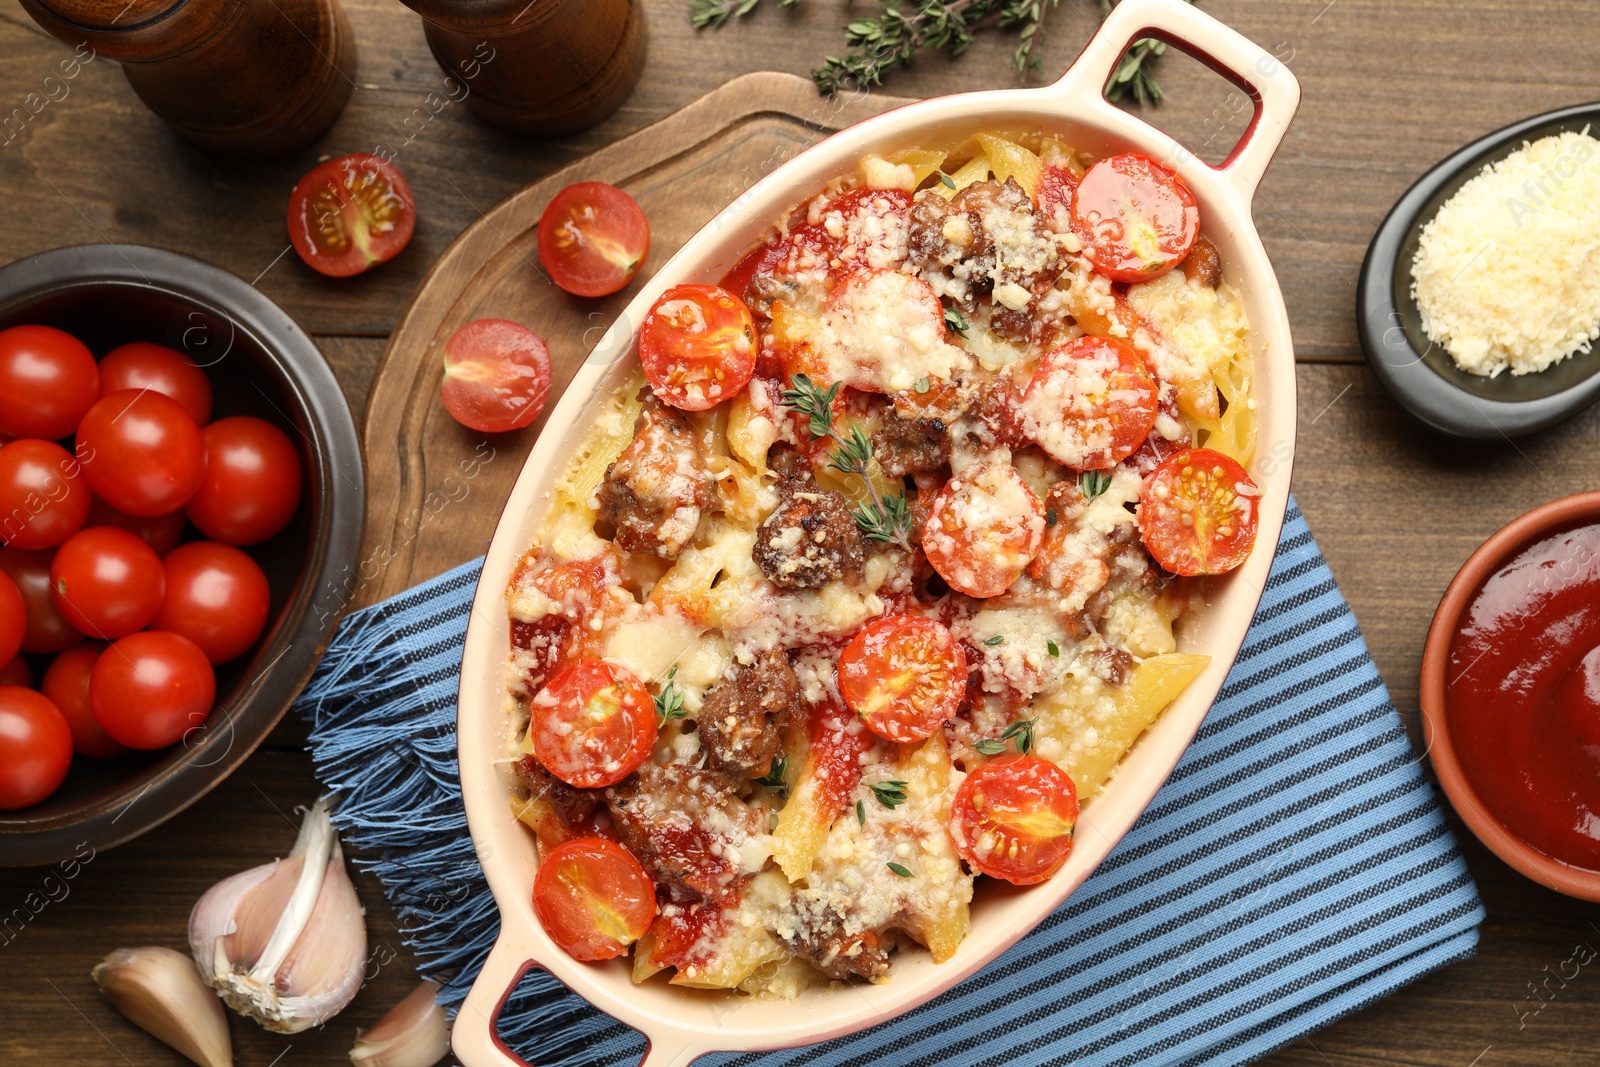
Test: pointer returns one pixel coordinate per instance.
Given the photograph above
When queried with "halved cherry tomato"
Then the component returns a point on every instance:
(904, 676)
(593, 724)
(1054, 197)
(47, 630)
(688, 935)
(1090, 403)
(593, 898)
(1013, 818)
(350, 214)
(1136, 218)
(698, 346)
(216, 596)
(48, 380)
(160, 532)
(35, 747)
(149, 689)
(144, 365)
(141, 452)
(837, 741)
(985, 526)
(593, 238)
(106, 582)
(66, 683)
(43, 501)
(496, 376)
(251, 485)
(13, 619)
(1198, 513)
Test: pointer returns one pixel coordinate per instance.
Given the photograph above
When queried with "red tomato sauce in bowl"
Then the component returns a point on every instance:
(1522, 694)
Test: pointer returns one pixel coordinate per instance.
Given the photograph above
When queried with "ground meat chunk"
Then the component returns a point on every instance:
(742, 720)
(822, 941)
(810, 539)
(573, 805)
(910, 446)
(1202, 263)
(686, 824)
(654, 493)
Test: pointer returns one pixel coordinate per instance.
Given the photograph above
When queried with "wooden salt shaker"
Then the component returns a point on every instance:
(246, 78)
(540, 67)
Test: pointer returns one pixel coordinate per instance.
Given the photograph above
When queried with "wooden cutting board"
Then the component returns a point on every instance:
(434, 488)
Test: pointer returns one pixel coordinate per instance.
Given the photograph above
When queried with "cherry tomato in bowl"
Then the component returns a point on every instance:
(250, 487)
(985, 526)
(904, 676)
(144, 365)
(1136, 218)
(66, 683)
(350, 214)
(47, 631)
(593, 724)
(216, 596)
(35, 747)
(1198, 513)
(1013, 818)
(593, 238)
(141, 452)
(698, 346)
(1090, 403)
(48, 379)
(106, 582)
(593, 898)
(43, 498)
(13, 619)
(149, 689)
(496, 376)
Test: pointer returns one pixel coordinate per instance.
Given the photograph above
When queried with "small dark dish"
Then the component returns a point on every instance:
(260, 363)
(1420, 374)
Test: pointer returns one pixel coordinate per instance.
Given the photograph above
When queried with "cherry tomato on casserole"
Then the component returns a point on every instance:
(904, 676)
(838, 738)
(350, 214)
(141, 452)
(593, 898)
(66, 683)
(984, 527)
(47, 630)
(149, 689)
(13, 619)
(698, 346)
(496, 376)
(216, 596)
(1136, 218)
(1013, 817)
(1198, 513)
(43, 499)
(1090, 403)
(48, 380)
(35, 747)
(106, 582)
(160, 532)
(250, 488)
(593, 724)
(1053, 201)
(17, 672)
(143, 365)
(593, 238)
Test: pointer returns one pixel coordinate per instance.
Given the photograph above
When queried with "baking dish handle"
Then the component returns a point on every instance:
(1257, 72)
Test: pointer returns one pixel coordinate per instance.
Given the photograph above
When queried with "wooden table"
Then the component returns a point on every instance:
(1390, 87)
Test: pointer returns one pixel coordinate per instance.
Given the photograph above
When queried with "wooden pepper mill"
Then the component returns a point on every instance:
(540, 67)
(246, 78)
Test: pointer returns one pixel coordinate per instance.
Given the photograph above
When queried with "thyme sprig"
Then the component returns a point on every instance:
(1094, 483)
(890, 794)
(669, 702)
(713, 13)
(1133, 73)
(1021, 732)
(773, 779)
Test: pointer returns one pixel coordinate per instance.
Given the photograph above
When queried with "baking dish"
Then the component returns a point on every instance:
(679, 1024)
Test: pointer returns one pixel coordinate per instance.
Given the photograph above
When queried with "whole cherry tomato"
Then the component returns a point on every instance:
(1090, 403)
(496, 376)
(48, 380)
(1013, 818)
(48, 631)
(35, 747)
(593, 724)
(141, 452)
(350, 214)
(593, 239)
(13, 619)
(904, 676)
(985, 526)
(43, 498)
(66, 683)
(1198, 513)
(216, 596)
(1135, 217)
(107, 583)
(143, 365)
(160, 532)
(251, 486)
(698, 346)
(150, 689)
(593, 898)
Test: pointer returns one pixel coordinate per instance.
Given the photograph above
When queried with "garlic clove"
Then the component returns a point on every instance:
(160, 992)
(285, 943)
(413, 1033)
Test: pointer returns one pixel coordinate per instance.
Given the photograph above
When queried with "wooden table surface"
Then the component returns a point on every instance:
(1390, 87)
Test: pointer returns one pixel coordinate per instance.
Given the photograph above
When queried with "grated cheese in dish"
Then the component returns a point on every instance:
(1507, 274)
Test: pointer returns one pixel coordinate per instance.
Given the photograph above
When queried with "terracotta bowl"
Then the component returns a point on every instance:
(1490, 556)
(260, 363)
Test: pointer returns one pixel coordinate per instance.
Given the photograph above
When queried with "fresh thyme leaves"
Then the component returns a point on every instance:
(952, 316)
(669, 702)
(949, 183)
(890, 794)
(1053, 648)
(1094, 483)
(923, 385)
(1133, 73)
(713, 13)
(1021, 732)
(997, 639)
(773, 779)
(902, 871)
(861, 814)
(886, 520)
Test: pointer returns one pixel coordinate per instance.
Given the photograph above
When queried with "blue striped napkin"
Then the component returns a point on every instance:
(1294, 868)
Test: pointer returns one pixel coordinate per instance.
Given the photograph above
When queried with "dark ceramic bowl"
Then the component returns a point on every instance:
(260, 363)
(1420, 374)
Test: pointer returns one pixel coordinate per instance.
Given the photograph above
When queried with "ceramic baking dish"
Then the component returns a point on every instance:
(683, 1024)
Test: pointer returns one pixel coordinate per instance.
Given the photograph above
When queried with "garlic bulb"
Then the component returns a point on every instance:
(285, 943)
(160, 992)
(414, 1033)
